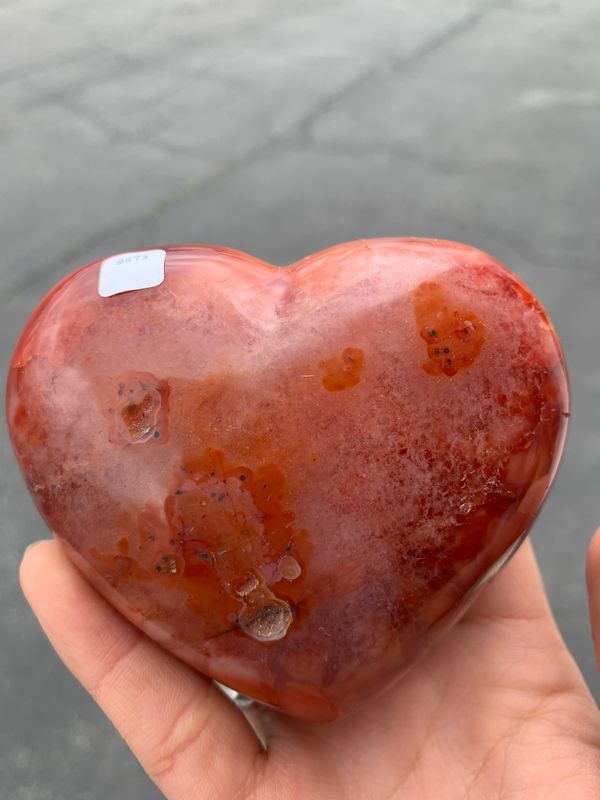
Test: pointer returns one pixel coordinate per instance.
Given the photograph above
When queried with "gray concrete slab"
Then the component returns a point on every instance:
(160, 101)
(520, 142)
(281, 128)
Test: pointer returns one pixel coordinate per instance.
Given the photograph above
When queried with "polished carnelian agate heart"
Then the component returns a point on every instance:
(292, 478)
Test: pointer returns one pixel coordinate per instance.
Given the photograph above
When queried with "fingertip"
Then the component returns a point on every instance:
(31, 545)
(593, 585)
(593, 559)
(35, 558)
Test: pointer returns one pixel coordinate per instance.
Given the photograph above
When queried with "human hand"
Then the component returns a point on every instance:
(497, 709)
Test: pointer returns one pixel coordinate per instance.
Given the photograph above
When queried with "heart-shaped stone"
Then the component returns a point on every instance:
(291, 478)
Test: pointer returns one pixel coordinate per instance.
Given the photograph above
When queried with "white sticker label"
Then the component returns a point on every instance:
(127, 272)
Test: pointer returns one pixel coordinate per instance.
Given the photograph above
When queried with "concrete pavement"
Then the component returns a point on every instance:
(279, 128)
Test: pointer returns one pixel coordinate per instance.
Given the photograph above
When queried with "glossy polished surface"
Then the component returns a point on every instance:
(292, 478)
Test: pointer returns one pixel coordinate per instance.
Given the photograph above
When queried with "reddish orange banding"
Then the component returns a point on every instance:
(225, 531)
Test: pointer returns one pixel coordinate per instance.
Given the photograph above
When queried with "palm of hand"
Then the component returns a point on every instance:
(498, 709)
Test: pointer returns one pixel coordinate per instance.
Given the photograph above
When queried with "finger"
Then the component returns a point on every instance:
(593, 584)
(189, 738)
(516, 592)
(516, 596)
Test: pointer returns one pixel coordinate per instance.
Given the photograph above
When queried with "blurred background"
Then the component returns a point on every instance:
(280, 127)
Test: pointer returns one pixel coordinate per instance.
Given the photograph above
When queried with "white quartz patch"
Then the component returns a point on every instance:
(128, 272)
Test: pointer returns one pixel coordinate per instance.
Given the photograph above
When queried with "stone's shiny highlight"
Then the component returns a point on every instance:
(292, 478)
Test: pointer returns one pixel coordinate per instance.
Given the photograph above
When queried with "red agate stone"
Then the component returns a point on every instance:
(292, 478)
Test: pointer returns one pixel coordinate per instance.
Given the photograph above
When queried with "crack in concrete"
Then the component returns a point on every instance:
(278, 11)
(435, 43)
(390, 152)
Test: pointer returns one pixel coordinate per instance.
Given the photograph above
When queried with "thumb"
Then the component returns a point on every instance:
(593, 584)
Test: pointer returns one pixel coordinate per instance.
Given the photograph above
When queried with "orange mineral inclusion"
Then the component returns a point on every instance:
(454, 335)
(292, 477)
